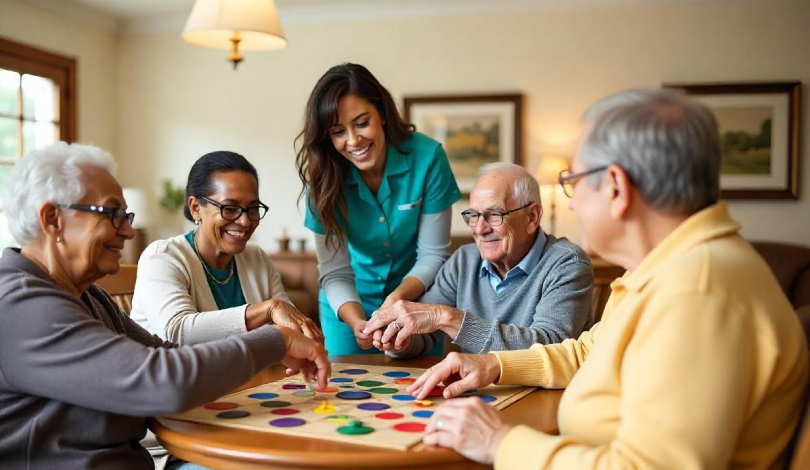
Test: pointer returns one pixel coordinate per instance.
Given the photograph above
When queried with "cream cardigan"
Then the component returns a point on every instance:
(172, 298)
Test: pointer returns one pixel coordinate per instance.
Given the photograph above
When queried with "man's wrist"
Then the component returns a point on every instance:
(450, 320)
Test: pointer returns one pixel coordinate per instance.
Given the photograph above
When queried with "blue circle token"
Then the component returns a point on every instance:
(486, 398)
(341, 379)
(353, 395)
(263, 395)
(403, 397)
(396, 374)
(423, 413)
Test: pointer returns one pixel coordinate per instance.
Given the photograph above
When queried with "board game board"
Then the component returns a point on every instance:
(373, 395)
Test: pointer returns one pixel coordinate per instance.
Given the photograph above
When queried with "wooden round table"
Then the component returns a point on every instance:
(237, 449)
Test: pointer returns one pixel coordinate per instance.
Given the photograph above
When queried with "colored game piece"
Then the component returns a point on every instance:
(263, 395)
(410, 427)
(326, 390)
(422, 403)
(325, 408)
(353, 395)
(293, 386)
(403, 397)
(346, 386)
(221, 405)
(373, 406)
(370, 383)
(396, 374)
(341, 379)
(407, 381)
(437, 391)
(304, 393)
(470, 391)
(287, 422)
(340, 418)
(275, 404)
(354, 371)
(383, 390)
(422, 413)
(390, 415)
(284, 411)
(355, 428)
(486, 398)
(233, 414)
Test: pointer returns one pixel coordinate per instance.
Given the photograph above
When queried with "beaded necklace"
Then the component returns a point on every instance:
(205, 266)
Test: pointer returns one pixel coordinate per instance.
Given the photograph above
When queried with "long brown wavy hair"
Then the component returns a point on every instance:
(320, 166)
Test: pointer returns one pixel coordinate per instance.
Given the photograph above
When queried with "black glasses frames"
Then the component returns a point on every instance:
(117, 215)
(233, 211)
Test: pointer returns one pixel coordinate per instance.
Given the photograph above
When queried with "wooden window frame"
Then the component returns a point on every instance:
(61, 69)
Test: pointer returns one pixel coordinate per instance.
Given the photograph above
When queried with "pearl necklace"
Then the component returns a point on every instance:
(205, 266)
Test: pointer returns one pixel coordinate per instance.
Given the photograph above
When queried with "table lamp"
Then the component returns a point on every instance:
(252, 25)
(548, 172)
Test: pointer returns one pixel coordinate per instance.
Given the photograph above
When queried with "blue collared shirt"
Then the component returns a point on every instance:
(522, 269)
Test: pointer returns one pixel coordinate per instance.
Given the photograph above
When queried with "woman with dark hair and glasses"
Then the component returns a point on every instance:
(209, 283)
(378, 198)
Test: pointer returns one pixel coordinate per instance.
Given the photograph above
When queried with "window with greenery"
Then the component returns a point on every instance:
(37, 107)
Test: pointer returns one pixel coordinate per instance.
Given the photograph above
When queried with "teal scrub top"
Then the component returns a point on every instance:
(381, 231)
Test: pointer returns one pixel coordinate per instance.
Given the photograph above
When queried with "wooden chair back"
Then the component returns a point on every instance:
(121, 286)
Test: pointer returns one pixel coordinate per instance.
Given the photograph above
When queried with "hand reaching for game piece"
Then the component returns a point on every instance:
(306, 356)
(468, 426)
(458, 373)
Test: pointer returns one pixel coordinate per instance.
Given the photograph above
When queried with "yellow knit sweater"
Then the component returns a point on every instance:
(699, 363)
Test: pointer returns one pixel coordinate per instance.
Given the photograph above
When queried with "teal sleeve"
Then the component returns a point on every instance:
(311, 220)
(441, 190)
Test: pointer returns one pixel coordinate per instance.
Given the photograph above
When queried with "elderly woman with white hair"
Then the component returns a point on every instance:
(78, 377)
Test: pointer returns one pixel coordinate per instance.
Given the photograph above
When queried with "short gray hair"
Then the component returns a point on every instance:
(668, 145)
(50, 174)
(526, 189)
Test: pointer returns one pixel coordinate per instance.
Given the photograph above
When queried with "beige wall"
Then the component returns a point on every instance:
(95, 49)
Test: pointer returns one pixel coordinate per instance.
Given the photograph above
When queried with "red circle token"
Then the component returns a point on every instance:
(389, 415)
(221, 405)
(410, 427)
(284, 411)
(436, 392)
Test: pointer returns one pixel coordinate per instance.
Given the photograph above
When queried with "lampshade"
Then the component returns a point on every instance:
(138, 202)
(230, 24)
(549, 169)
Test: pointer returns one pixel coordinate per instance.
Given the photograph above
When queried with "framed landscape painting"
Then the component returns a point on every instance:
(473, 129)
(759, 134)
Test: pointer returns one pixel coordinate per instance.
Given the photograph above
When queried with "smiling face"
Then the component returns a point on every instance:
(92, 246)
(504, 245)
(218, 238)
(358, 134)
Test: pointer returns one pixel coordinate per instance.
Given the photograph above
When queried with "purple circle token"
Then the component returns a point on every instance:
(486, 398)
(354, 371)
(263, 395)
(396, 374)
(293, 387)
(287, 422)
(373, 406)
(403, 397)
(233, 414)
(423, 413)
(352, 395)
(341, 379)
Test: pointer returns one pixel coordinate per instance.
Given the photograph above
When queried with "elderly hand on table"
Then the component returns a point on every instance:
(457, 373)
(306, 356)
(392, 326)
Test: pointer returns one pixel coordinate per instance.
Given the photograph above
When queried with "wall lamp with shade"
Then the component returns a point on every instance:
(252, 25)
(547, 174)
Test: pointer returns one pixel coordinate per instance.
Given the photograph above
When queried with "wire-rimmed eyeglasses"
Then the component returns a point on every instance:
(568, 180)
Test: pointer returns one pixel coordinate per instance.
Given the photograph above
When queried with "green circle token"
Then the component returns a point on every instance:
(382, 390)
(370, 383)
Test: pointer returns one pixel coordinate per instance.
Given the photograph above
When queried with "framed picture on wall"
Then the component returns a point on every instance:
(473, 129)
(759, 134)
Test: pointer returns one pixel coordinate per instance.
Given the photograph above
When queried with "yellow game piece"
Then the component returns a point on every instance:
(423, 403)
(325, 408)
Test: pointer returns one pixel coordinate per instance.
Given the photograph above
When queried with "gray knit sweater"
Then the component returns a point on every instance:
(549, 305)
(78, 377)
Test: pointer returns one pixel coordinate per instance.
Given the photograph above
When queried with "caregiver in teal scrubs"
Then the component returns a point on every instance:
(378, 197)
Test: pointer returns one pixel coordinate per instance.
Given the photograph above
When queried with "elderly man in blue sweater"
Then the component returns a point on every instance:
(514, 287)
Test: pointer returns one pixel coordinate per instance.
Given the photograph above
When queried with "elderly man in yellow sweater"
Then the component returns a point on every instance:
(699, 361)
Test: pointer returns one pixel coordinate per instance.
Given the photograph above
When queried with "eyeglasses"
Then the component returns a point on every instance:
(568, 180)
(493, 218)
(233, 212)
(117, 215)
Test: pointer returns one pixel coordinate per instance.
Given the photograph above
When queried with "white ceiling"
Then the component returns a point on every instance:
(168, 16)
